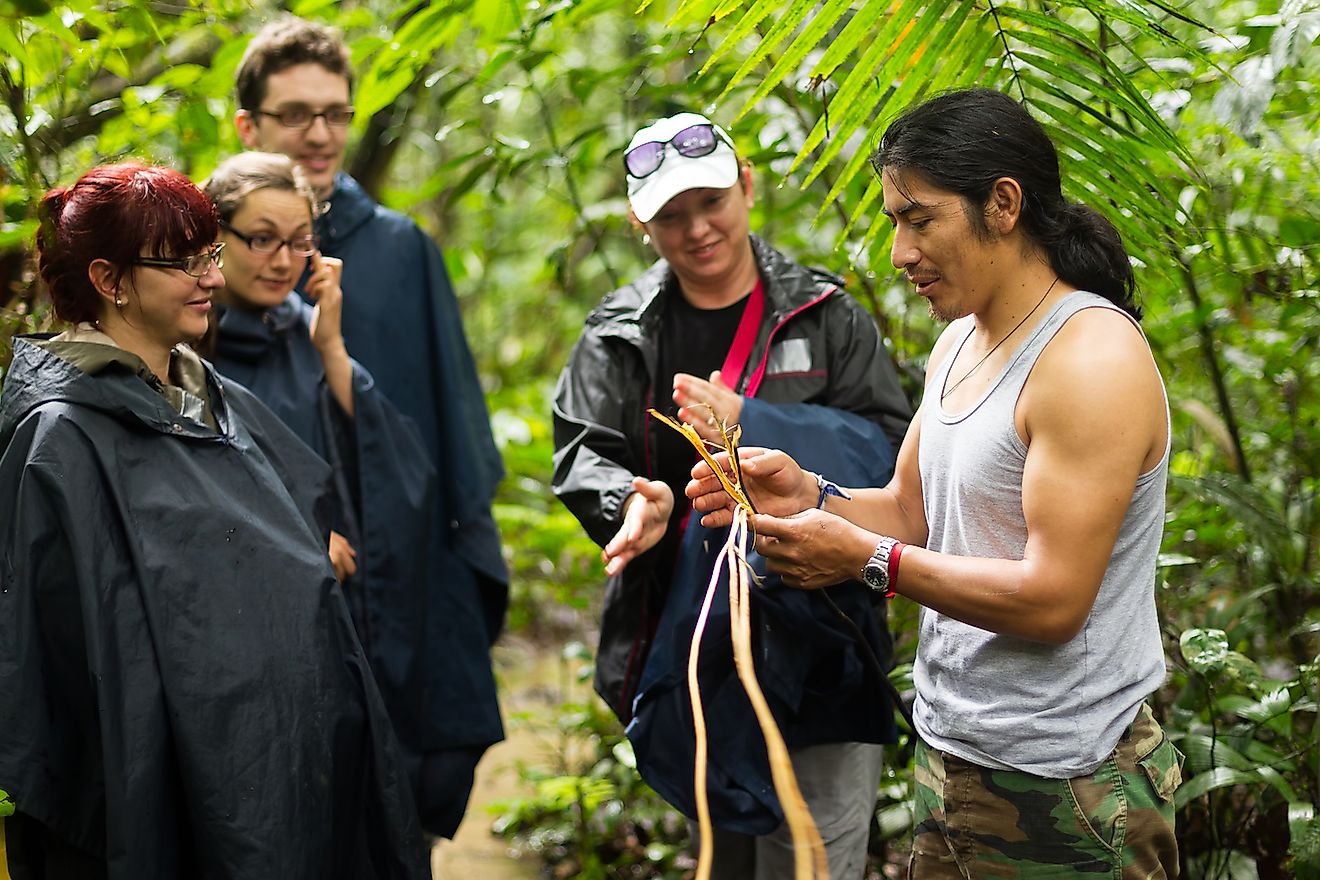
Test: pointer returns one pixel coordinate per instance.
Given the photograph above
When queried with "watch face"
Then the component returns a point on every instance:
(876, 576)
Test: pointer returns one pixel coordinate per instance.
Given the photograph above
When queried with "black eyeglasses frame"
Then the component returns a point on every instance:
(345, 117)
(282, 242)
(214, 256)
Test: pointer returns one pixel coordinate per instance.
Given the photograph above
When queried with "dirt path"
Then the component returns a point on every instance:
(532, 680)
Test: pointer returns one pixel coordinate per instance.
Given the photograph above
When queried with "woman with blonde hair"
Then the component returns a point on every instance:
(291, 354)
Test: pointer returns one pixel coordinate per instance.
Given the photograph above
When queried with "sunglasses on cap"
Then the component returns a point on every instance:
(693, 142)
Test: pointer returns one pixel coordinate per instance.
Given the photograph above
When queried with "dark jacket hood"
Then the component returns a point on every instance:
(246, 335)
(38, 375)
(348, 208)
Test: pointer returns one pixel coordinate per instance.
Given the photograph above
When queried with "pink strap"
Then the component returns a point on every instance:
(745, 338)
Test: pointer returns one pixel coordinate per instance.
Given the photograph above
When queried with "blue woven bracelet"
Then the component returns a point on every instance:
(827, 489)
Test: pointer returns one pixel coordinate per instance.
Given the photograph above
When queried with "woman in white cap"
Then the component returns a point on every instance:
(724, 329)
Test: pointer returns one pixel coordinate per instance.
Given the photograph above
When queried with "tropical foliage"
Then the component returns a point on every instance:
(498, 123)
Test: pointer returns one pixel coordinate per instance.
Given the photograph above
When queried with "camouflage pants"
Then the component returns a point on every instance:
(974, 822)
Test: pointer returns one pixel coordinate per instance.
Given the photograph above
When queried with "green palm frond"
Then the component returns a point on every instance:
(1070, 62)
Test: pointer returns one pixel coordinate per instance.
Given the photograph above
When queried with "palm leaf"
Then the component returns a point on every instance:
(865, 80)
(786, 25)
(886, 54)
(746, 24)
(911, 79)
(811, 36)
(859, 28)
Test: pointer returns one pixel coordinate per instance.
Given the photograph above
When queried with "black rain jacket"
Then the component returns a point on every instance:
(384, 487)
(181, 690)
(603, 434)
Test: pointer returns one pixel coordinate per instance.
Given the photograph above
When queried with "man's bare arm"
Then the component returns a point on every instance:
(1093, 415)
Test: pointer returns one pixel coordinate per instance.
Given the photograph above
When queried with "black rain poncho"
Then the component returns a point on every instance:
(181, 690)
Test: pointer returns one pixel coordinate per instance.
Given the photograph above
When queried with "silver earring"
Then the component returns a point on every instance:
(119, 303)
(646, 238)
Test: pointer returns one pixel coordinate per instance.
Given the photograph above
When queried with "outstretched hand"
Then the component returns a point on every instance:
(812, 549)
(773, 481)
(645, 518)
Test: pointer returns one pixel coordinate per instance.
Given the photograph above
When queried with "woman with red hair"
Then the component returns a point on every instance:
(181, 690)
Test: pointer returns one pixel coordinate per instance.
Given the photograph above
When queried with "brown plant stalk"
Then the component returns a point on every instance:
(809, 861)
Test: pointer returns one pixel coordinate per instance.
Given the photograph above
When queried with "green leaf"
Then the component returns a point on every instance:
(1272, 708)
(804, 44)
(781, 30)
(861, 27)
(11, 45)
(860, 92)
(179, 76)
(748, 21)
(1205, 752)
(1304, 840)
(915, 81)
(1223, 777)
(398, 64)
(16, 234)
(1101, 89)
(492, 20)
(1203, 648)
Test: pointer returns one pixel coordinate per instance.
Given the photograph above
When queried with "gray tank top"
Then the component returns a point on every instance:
(1004, 702)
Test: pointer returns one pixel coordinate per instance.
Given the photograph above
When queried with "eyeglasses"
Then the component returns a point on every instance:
(196, 265)
(265, 243)
(303, 117)
(693, 142)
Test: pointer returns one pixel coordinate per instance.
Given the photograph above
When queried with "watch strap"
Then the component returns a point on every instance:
(880, 564)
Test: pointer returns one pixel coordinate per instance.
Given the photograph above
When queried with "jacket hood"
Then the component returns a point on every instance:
(38, 375)
(349, 207)
(246, 335)
(788, 286)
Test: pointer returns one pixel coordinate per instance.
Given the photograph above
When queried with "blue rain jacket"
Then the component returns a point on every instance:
(402, 323)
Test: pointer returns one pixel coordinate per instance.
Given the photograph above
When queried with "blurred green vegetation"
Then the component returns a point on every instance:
(499, 126)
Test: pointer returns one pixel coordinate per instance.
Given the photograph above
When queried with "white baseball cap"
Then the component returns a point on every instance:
(676, 172)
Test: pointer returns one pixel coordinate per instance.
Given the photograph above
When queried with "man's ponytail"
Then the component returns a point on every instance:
(1087, 252)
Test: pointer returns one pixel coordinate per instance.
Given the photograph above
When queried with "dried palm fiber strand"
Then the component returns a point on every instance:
(809, 860)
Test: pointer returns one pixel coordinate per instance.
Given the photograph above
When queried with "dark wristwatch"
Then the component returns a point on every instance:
(875, 574)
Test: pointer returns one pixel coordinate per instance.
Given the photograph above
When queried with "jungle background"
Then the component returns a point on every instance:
(498, 124)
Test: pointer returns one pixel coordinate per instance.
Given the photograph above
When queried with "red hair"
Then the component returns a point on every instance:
(117, 213)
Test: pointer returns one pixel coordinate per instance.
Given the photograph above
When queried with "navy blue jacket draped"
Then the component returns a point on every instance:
(402, 323)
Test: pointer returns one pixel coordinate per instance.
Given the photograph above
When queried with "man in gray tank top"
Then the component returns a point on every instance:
(1024, 515)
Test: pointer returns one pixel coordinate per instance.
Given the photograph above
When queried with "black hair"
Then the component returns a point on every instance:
(963, 141)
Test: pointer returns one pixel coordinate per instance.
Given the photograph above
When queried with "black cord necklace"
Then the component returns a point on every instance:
(947, 389)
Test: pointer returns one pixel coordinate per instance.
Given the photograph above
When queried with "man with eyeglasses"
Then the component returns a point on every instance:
(401, 321)
(724, 329)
